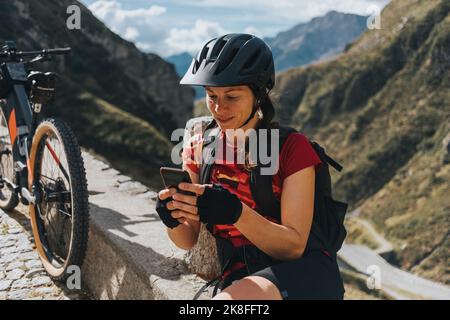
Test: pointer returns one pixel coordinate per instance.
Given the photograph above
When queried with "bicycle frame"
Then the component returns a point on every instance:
(22, 122)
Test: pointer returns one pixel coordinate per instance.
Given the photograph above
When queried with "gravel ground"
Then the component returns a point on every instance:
(22, 275)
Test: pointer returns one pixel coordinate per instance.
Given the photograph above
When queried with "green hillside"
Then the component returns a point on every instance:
(382, 109)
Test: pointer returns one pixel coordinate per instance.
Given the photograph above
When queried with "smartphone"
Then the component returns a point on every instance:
(171, 177)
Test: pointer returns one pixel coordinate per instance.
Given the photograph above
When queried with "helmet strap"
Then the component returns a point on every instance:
(255, 108)
(258, 92)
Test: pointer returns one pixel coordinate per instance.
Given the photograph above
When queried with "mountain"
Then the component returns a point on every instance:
(382, 109)
(121, 102)
(318, 39)
(182, 62)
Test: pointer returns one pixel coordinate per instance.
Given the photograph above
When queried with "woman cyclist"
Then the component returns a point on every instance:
(237, 72)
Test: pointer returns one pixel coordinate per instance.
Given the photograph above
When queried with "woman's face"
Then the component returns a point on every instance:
(230, 106)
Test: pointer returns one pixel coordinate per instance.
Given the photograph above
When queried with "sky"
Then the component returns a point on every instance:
(174, 26)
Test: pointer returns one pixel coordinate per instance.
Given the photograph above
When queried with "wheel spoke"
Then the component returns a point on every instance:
(67, 214)
(43, 176)
(57, 159)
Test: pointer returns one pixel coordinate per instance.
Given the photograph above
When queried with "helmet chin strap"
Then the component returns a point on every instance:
(255, 108)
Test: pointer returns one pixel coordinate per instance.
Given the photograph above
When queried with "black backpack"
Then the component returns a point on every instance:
(328, 222)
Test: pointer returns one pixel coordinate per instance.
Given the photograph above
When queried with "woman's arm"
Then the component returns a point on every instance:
(283, 241)
(288, 240)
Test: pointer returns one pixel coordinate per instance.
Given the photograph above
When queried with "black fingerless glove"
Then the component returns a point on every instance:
(164, 213)
(217, 205)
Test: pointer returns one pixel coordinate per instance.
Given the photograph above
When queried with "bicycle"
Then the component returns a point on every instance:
(41, 164)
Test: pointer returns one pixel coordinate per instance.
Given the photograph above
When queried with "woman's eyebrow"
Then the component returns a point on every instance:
(229, 90)
(233, 89)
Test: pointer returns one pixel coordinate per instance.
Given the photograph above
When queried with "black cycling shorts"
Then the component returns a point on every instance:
(314, 276)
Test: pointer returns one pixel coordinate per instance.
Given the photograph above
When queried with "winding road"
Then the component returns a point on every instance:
(397, 283)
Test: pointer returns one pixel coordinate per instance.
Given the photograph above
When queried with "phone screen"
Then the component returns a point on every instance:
(173, 176)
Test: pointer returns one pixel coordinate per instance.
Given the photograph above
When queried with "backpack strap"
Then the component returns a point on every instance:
(208, 151)
(261, 185)
(324, 157)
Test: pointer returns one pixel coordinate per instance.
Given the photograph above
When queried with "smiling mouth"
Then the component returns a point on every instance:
(224, 119)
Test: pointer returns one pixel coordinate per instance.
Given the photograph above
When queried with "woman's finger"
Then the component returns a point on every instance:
(184, 206)
(194, 187)
(181, 213)
(170, 206)
(176, 214)
(192, 200)
(166, 193)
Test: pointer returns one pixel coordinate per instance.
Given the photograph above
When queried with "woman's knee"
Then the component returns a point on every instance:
(250, 288)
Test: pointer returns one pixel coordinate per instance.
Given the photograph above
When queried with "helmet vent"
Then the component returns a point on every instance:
(251, 61)
(226, 61)
(217, 48)
(203, 54)
(201, 57)
(195, 67)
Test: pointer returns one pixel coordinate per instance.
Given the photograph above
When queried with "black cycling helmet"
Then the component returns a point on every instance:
(231, 60)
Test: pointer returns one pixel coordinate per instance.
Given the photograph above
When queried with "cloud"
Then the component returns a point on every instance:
(151, 32)
(192, 39)
(254, 31)
(113, 12)
(171, 27)
(144, 26)
(131, 33)
(295, 10)
(147, 47)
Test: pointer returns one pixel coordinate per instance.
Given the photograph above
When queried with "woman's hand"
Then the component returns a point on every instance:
(164, 197)
(185, 206)
(212, 204)
(174, 207)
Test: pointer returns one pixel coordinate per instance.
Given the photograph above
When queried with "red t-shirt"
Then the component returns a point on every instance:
(296, 154)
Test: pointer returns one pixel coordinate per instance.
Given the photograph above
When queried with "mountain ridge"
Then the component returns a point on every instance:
(382, 108)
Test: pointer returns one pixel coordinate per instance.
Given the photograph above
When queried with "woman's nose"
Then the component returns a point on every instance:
(217, 107)
(219, 104)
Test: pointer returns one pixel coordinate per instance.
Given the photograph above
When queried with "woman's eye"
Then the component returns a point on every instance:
(230, 98)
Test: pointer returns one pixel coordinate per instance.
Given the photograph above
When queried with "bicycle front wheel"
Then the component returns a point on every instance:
(60, 216)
